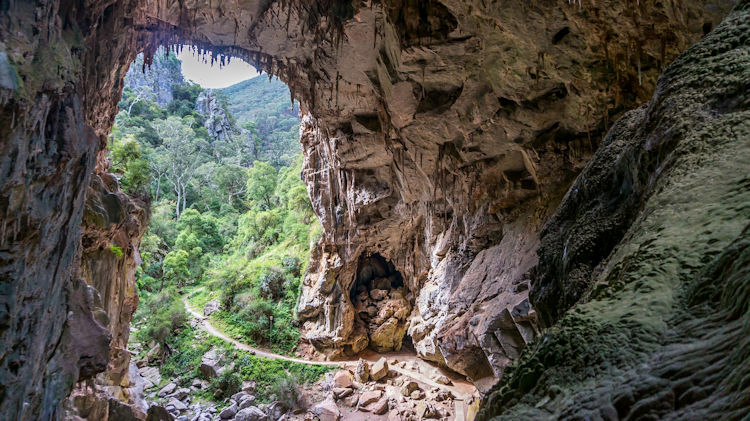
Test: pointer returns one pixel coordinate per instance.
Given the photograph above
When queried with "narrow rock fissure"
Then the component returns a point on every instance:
(382, 303)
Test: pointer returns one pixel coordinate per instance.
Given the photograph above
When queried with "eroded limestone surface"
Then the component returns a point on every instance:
(440, 135)
(652, 242)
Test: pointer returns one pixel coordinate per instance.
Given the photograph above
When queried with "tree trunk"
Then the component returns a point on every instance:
(178, 203)
(184, 197)
(158, 187)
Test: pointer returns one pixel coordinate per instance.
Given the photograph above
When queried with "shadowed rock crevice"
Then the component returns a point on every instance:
(381, 302)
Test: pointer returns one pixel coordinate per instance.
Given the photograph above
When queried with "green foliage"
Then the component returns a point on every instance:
(176, 267)
(129, 163)
(261, 184)
(226, 384)
(230, 214)
(285, 389)
(117, 251)
(165, 316)
(264, 108)
(204, 227)
(271, 375)
(185, 96)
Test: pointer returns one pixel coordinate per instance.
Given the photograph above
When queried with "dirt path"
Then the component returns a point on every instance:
(461, 389)
(208, 327)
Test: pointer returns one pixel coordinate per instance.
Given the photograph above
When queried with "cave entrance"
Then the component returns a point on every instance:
(382, 304)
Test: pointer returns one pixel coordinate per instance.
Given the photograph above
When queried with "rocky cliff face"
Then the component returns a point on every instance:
(113, 224)
(218, 124)
(652, 243)
(439, 138)
(60, 85)
(155, 82)
(446, 151)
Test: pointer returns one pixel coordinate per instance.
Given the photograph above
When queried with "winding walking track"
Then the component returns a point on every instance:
(461, 389)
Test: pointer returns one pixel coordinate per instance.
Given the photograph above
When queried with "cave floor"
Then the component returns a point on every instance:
(405, 363)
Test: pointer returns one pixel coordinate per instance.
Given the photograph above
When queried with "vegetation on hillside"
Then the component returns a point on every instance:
(265, 107)
(238, 227)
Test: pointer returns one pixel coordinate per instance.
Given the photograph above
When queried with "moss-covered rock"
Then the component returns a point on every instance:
(650, 248)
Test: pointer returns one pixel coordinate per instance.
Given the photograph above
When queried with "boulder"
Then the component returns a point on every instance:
(379, 369)
(211, 307)
(327, 411)
(275, 410)
(249, 387)
(246, 402)
(443, 380)
(408, 388)
(158, 413)
(342, 379)
(181, 393)
(342, 392)
(177, 404)
(209, 367)
(378, 294)
(166, 390)
(252, 413)
(380, 407)
(228, 412)
(238, 396)
(151, 376)
(369, 397)
(362, 372)
(417, 394)
(443, 395)
(351, 400)
(388, 336)
(154, 354)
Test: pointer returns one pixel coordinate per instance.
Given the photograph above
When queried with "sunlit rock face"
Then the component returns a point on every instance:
(438, 135)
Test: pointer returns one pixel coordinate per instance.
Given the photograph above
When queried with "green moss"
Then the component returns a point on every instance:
(117, 251)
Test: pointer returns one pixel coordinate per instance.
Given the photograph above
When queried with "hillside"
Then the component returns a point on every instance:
(265, 107)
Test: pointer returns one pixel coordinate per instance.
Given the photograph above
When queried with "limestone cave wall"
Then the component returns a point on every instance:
(439, 135)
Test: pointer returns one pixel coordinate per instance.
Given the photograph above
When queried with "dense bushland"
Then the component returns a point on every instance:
(225, 224)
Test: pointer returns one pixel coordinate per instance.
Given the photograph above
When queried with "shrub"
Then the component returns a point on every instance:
(176, 267)
(117, 251)
(291, 264)
(226, 384)
(165, 316)
(285, 389)
(272, 284)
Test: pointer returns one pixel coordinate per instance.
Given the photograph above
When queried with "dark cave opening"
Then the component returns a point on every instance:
(382, 303)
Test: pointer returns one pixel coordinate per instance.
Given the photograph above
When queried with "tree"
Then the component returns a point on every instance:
(136, 95)
(231, 181)
(202, 226)
(159, 167)
(182, 150)
(176, 267)
(238, 148)
(261, 183)
(127, 161)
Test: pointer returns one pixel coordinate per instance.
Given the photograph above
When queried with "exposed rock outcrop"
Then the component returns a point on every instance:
(446, 151)
(218, 124)
(653, 243)
(155, 82)
(113, 226)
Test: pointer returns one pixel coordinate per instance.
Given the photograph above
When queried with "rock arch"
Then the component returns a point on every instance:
(442, 144)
